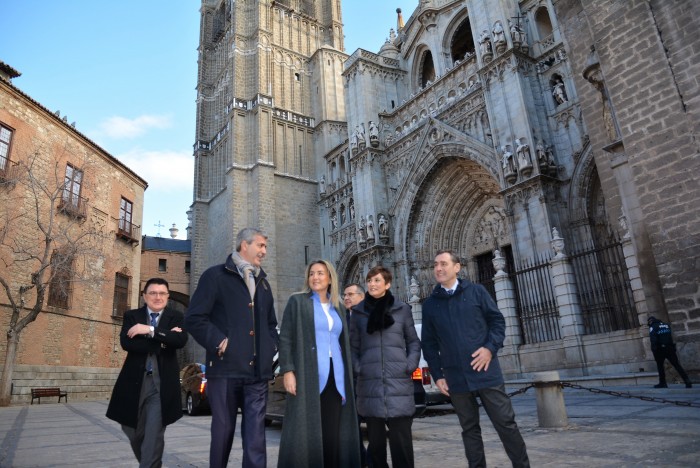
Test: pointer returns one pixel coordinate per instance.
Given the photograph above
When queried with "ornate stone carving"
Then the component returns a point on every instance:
(370, 228)
(509, 173)
(557, 244)
(499, 263)
(383, 226)
(499, 37)
(413, 290)
(485, 47)
(373, 134)
(524, 159)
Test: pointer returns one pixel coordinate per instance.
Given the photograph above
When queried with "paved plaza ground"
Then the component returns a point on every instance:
(603, 431)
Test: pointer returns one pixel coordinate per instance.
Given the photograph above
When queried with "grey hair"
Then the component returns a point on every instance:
(248, 235)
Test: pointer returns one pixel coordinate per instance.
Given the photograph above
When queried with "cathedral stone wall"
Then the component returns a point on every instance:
(648, 54)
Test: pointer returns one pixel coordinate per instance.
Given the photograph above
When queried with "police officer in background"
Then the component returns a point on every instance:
(663, 347)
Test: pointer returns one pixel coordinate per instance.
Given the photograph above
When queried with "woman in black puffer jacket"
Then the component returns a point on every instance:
(385, 352)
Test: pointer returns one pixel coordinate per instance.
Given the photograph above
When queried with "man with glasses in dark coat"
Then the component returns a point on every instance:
(146, 396)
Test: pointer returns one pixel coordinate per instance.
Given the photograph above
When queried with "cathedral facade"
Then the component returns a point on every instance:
(550, 144)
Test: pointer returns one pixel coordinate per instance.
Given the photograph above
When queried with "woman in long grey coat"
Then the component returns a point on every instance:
(385, 352)
(320, 423)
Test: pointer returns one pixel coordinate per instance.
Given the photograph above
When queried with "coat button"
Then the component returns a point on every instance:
(250, 363)
(252, 333)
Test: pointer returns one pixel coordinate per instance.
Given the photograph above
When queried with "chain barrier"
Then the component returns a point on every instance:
(524, 389)
(628, 395)
(521, 390)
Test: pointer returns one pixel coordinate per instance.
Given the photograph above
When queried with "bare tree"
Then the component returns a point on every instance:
(47, 241)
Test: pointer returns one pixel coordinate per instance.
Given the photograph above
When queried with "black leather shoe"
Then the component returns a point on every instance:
(661, 385)
(688, 385)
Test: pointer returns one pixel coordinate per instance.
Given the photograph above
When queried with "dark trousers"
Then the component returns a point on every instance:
(331, 405)
(500, 410)
(226, 396)
(147, 439)
(400, 441)
(664, 352)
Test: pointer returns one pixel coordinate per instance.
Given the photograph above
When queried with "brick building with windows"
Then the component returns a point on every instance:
(58, 187)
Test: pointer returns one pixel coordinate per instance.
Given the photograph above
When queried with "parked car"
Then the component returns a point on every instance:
(277, 397)
(193, 389)
(433, 396)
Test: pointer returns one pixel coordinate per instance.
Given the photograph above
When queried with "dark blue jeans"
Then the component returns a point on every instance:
(226, 396)
(500, 410)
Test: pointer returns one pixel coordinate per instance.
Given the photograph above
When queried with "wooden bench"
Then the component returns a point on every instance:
(37, 393)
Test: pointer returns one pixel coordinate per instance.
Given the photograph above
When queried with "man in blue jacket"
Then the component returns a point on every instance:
(461, 334)
(232, 315)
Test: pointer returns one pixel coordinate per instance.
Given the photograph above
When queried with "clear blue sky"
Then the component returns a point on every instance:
(125, 71)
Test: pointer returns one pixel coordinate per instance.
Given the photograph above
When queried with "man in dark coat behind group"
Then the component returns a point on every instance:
(461, 335)
(146, 396)
(232, 315)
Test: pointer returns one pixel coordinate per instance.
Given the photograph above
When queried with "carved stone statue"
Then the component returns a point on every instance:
(383, 226)
(373, 134)
(508, 164)
(485, 43)
(516, 33)
(414, 289)
(334, 221)
(559, 92)
(352, 209)
(370, 227)
(524, 160)
(523, 151)
(557, 244)
(361, 230)
(322, 184)
(361, 139)
(499, 37)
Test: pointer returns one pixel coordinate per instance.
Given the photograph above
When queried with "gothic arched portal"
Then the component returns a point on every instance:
(457, 202)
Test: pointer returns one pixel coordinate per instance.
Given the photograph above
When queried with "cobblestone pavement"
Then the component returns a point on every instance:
(603, 431)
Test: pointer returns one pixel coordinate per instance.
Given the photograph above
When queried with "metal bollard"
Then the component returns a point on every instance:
(551, 410)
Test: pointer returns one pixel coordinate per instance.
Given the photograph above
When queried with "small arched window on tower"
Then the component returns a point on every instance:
(297, 77)
(427, 69)
(462, 42)
(543, 23)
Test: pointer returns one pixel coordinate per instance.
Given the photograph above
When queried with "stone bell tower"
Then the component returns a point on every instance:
(256, 127)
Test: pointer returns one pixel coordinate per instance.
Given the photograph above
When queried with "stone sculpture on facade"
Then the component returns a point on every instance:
(485, 46)
(499, 263)
(559, 92)
(517, 34)
(361, 139)
(557, 244)
(342, 215)
(509, 172)
(352, 209)
(334, 221)
(370, 228)
(373, 134)
(499, 37)
(361, 237)
(383, 226)
(413, 290)
(322, 185)
(524, 160)
(545, 161)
